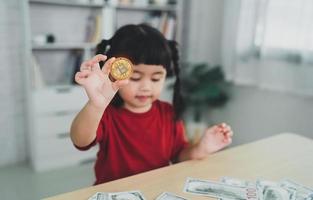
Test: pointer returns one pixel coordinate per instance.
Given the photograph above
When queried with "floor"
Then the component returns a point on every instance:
(21, 182)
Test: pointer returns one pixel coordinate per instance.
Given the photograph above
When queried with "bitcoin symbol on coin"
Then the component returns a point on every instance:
(121, 69)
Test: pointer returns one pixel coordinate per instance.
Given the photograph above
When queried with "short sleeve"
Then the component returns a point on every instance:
(100, 130)
(85, 148)
(180, 140)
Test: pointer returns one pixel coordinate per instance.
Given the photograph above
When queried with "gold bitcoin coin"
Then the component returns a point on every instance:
(121, 69)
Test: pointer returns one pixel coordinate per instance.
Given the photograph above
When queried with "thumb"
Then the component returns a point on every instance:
(119, 84)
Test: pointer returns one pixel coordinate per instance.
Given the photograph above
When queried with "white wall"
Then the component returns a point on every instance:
(205, 31)
(12, 127)
(254, 113)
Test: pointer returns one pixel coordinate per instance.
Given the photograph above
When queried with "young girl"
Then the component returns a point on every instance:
(136, 132)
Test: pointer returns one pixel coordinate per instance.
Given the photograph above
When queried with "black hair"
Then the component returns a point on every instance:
(143, 44)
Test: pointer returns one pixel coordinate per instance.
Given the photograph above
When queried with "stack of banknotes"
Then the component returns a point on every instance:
(227, 189)
(236, 189)
(133, 195)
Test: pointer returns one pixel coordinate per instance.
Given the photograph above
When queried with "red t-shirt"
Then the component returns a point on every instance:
(131, 143)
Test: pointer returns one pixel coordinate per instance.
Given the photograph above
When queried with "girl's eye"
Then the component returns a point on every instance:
(155, 79)
(134, 79)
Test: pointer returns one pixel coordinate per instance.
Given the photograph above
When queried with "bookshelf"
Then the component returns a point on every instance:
(165, 8)
(60, 46)
(163, 17)
(53, 99)
(70, 3)
(63, 33)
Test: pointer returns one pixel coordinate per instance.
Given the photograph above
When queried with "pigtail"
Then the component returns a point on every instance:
(177, 97)
(102, 48)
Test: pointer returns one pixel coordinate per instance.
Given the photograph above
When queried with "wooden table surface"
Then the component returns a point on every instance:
(281, 156)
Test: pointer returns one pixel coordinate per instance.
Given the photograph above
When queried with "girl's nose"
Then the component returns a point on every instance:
(145, 85)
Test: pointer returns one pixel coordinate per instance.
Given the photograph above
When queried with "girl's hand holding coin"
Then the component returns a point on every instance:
(99, 88)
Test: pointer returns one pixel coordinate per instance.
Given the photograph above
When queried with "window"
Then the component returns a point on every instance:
(269, 44)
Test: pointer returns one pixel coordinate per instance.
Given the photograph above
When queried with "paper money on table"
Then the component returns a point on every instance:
(272, 190)
(129, 195)
(99, 196)
(169, 196)
(219, 190)
(303, 192)
(237, 182)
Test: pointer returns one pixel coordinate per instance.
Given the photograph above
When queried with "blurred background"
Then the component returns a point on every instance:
(248, 63)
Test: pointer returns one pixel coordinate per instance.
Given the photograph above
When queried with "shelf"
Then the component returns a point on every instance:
(68, 3)
(64, 46)
(167, 8)
(61, 88)
(58, 87)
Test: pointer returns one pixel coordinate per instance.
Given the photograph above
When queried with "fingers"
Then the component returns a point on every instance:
(86, 66)
(80, 77)
(227, 140)
(107, 65)
(93, 64)
(98, 58)
(226, 131)
(224, 128)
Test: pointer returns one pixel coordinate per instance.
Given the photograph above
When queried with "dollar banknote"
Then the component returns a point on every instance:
(271, 190)
(237, 182)
(169, 196)
(99, 196)
(302, 192)
(219, 190)
(129, 195)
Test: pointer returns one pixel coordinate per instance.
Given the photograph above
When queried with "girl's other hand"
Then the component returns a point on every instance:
(96, 82)
(215, 138)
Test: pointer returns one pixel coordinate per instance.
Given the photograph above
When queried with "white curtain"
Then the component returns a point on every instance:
(269, 43)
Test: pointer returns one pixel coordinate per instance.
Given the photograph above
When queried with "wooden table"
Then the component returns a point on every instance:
(281, 156)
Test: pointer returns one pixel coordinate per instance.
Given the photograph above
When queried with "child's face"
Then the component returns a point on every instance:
(145, 86)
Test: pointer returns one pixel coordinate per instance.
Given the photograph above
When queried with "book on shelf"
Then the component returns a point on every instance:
(98, 30)
(93, 29)
(86, 2)
(159, 2)
(164, 22)
(108, 22)
(170, 28)
(153, 19)
(78, 59)
(124, 2)
(37, 79)
(70, 67)
(140, 2)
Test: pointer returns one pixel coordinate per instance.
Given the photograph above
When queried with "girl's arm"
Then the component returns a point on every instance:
(84, 126)
(100, 91)
(191, 153)
(214, 139)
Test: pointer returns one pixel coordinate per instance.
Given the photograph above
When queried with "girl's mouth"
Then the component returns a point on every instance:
(142, 98)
